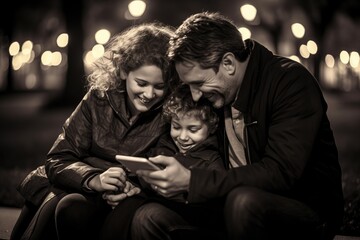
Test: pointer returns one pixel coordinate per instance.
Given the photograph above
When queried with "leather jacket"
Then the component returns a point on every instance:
(96, 131)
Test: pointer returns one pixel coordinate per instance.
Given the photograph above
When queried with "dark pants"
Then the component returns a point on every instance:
(171, 220)
(249, 213)
(27, 213)
(118, 223)
(37, 222)
(80, 216)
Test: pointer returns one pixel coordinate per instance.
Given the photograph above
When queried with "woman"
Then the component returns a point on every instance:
(120, 114)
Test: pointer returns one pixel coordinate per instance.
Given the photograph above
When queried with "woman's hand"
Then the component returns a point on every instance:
(112, 179)
(113, 198)
(172, 180)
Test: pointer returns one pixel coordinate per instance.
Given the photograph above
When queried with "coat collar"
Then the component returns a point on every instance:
(259, 57)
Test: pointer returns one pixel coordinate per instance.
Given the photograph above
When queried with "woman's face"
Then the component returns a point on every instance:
(145, 87)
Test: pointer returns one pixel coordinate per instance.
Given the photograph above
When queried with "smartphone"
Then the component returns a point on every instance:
(136, 163)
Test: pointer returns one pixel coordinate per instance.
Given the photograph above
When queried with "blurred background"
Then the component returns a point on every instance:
(47, 47)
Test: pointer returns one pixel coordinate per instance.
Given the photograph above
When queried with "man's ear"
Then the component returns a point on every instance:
(123, 74)
(228, 63)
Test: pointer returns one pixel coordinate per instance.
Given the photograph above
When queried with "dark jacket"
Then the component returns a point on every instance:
(99, 128)
(290, 150)
(96, 131)
(204, 155)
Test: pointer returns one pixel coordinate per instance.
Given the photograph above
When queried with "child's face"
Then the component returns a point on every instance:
(187, 131)
(145, 87)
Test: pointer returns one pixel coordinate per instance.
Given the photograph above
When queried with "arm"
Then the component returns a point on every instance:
(204, 156)
(67, 164)
(290, 132)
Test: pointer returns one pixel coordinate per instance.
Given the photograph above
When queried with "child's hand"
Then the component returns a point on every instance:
(130, 189)
(113, 198)
(112, 179)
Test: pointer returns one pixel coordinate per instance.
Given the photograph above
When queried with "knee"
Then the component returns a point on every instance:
(73, 200)
(70, 206)
(243, 200)
(145, 215)
(245, 213)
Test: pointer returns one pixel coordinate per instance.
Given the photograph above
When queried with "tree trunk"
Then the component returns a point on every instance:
(75, 77)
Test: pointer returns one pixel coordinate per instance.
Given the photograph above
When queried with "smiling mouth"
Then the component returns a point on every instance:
(184, 147)
(145, 100)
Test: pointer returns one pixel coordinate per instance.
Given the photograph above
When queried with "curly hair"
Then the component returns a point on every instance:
(205, 38)
(180, 102)
(143, 44)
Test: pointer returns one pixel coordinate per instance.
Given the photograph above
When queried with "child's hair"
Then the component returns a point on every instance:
(180, 102)
(140, 45)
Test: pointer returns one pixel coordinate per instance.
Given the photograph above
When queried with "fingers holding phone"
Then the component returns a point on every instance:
(173, 179)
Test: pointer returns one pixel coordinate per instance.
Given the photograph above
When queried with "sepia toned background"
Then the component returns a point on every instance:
(47, 47)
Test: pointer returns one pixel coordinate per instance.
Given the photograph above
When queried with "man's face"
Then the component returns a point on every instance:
(206, 83)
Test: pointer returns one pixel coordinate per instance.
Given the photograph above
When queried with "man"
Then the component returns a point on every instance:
(284, 178)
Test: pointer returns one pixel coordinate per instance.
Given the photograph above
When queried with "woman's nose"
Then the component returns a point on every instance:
(149, 93)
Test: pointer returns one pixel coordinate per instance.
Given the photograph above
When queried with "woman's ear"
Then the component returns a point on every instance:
(123, 74)
(228, 63)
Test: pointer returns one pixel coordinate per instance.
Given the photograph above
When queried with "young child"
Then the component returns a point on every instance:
(191, 141)
(120, 114)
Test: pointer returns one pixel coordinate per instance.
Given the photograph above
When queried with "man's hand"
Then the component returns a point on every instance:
(172, 180)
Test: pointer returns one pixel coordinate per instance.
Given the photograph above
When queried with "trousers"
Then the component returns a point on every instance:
(248, 213)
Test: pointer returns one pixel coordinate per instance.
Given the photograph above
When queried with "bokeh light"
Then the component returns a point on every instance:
(102, 36)
(26, 47)
(344, 57)
(137, 8)
(98, 51)
(46, 58)
(14, 48)
(354, 59)
(329, 61)
(245, 33)
(62, 40)
(248, 12)
(312, 47)
(304, 52)
(298, 30)
(56, 58)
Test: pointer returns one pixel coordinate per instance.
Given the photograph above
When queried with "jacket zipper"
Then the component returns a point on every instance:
(247, 140)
